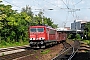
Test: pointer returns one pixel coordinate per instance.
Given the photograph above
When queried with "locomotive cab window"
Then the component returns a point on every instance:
(32, 29)
(36, 29)
(40, 29)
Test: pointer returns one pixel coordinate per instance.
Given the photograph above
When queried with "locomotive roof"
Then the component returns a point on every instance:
(43, 26)
(37, 26)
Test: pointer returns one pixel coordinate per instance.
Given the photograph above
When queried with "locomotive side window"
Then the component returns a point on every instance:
(47, 30)
(52, 32)
(40, 29)
(32, 29)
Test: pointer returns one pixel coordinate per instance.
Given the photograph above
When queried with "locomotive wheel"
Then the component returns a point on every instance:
(43, 46)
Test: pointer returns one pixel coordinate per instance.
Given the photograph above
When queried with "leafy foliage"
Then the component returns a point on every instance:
(14, 25)
(87, 30)
(38, 19)
(78, 36)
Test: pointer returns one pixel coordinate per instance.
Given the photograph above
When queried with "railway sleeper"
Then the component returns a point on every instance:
(63, 58)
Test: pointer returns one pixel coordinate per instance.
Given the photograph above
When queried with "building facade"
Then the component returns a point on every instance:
(78, 25)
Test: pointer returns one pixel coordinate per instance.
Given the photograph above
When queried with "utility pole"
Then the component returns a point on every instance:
(64, 24)
(75, 18)
(73, 11)
(42, 13)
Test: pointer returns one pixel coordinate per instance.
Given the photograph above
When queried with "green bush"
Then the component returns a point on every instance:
(78, 37)
(87, 41)
(69, 37)
(5, 44)
(89, 35)
(45, 51)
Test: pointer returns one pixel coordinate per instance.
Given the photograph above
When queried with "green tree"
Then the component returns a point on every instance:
(39, 18)
(27, 9)
(5, 11)
(78, 36)
(13, 25)
(87, 30)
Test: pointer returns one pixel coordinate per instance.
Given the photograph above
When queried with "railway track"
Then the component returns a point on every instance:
(13, 52)
(83, 47)
(68, 52)
(14, 56)
(83, 52)
(10, 50)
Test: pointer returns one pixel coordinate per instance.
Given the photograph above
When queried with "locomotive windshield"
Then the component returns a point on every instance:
(40, 29)
(36, 29)
(32, 29)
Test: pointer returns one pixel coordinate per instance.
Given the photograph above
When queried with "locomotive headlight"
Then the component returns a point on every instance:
(32, 38)
(41, 38)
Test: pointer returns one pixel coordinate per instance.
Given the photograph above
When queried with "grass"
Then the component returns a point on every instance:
(35, 51)
(50, 54)
(10, 44)
(37, 57)
(86, 41)
(45, 51)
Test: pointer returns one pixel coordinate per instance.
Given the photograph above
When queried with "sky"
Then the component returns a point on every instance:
(64, 11)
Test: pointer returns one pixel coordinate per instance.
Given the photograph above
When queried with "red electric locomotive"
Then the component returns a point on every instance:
(41, 36)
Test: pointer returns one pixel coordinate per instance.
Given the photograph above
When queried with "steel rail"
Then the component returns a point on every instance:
(72, 54)
(63, 51)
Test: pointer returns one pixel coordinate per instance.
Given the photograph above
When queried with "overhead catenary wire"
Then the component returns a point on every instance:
(55, 5)
(63, 8)
(78, 2)
(38, 9)
(11, 4)
(67, 1)
(73, 12)
(51, 3)
(38, 4)
(65, 4)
